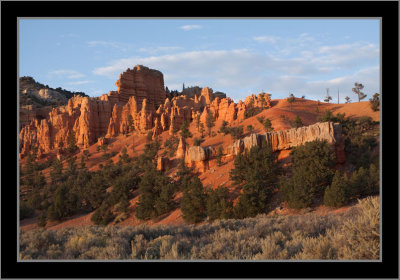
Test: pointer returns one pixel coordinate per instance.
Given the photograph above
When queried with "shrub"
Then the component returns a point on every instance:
(375, 102)
(336, 194)
(102, 216)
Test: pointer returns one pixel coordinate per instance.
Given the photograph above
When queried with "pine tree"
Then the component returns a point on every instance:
(219, 205)
(297, 122)
(357, 90)
(185, 133)
(268, 125)
(219, 155)
(258, 170)
(193, 203)
(210, 122)
(312, 165)
(71, 142)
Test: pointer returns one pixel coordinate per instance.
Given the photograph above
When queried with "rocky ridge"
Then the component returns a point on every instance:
(139, 104)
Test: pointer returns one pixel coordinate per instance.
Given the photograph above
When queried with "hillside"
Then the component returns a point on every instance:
(280, 113)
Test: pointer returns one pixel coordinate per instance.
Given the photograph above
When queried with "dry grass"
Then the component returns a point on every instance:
(351, 235)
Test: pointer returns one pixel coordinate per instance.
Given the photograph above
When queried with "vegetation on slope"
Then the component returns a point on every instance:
(353, 235)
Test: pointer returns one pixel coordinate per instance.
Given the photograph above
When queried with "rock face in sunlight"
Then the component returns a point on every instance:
(290, 138)
(139, 105)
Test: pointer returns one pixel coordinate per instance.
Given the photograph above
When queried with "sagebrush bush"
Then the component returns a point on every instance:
(354, 235)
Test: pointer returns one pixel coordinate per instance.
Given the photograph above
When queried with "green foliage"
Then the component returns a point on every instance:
(224, 128)
(198, 122)
(261, 119)
(268, 125)
(312, 171)
(102, 216)
(193, 203)
(71, 142)
(375, 102)
(25, 211)
(156, 194)
(258, 170)
(252, 111)
(337, 194)
(291, 99)
(348, 100)
(357, 90)
(297, 122)
(218, 204)
(171, 145)
(124, 157)
(149, 157)
(250, 128)
(130, 123)
(185, 133)
(65, 203)
(236, 132)
(210, 122)
(202, 129)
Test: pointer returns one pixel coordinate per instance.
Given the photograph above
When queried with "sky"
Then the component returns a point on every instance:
(236, 56)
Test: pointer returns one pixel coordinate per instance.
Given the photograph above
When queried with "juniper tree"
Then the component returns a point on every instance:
(375, 102)
(357, 90)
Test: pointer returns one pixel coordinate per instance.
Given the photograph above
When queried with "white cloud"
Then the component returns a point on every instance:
(79, 83)
(190, 27)
(69, 74)
(107, 44)
(236, 71)
(154, 50)
(266, 39)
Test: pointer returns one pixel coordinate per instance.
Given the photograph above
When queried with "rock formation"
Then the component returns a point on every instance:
(287, 139)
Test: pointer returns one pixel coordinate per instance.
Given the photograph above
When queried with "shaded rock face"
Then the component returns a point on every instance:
(198, 153)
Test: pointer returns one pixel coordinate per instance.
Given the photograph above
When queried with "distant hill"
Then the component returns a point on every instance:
(38, 95)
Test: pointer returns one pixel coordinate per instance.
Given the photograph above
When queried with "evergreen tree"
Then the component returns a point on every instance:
(210, 122)
(357, 90)
(156, 195)
(348, 100)
(250, 128)
(297, 122)
(193, 203)
(291, 99)
(185, 133)
(312, 165)
(71, 142)
(224, 128)
(202, 130)
(124, 156)
(218, 204)
(258, 170)
(268, 125)
(236, 132)
(375, 102)
(336, 195)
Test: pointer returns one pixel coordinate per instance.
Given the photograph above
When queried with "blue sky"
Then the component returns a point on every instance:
(235, 56)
